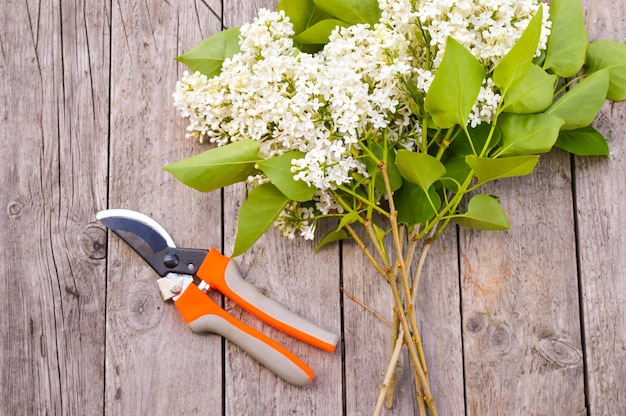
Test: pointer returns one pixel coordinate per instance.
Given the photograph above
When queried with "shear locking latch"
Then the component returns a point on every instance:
(168, 288)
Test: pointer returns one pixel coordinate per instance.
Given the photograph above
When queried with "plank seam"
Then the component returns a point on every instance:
(107, 204)
(344, 387)
(460, 277)
(223, 242)
(581, 309)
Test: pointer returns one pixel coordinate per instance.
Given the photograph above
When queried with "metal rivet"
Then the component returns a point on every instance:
(170, 260)
(175, 289)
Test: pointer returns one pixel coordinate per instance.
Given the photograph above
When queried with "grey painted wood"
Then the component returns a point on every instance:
(87, 122)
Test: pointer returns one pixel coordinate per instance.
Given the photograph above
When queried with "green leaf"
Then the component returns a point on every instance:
(419, 168)
(257, 214)
(567, 44)
(488, 169)
(531, 94)
(209, 55)
(607, 54)
(395, 178)
(528, 134)
(585, 141)
(456, 172)
(483, 213)
(413, 205)
(348, 219)
(580, 105)
(318, 33)
(455, 88)
(352, 11)
(454, 157)
(478, 136)
(218, 167)
(516, 62)
(302, 13)
(331, 237)
(278, 170)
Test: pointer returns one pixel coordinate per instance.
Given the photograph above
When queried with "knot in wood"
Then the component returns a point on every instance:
(14, 209)
(500, 338)
(93, 242)
(144, 310)
(477, 323)
(559, 353)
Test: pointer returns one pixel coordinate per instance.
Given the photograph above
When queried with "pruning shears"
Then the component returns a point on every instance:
(186, 276)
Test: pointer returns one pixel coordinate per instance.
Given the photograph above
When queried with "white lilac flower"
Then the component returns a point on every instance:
(486, 105)
(487, 28)
(324, 104)
(296, 219)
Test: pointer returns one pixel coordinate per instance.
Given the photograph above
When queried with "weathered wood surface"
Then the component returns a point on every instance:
(601, 197)
(527, 322)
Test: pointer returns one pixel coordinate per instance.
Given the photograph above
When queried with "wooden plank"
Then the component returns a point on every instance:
(307, 284)
(368, 338)
(601, 192)
(154, 364)
(439, 317)
(53, 106)
(365, 307)
(521, 328)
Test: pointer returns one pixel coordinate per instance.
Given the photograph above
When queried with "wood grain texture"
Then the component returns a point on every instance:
(521, 324)
(154, 363)
(601, 195)
(368, 338)
(305, 283)
(87, 121)
(438, 308)
(53, 112)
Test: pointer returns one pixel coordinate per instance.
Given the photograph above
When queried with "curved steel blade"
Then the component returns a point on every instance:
(152, 243)
(142, 233)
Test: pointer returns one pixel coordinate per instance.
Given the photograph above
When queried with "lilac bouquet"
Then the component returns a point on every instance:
(387, 117)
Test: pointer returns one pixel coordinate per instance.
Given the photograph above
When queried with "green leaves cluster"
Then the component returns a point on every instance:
(235, 162)
(546, 101)
(314, 20)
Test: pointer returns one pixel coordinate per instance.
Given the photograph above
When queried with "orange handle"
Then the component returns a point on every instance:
(222, 274)
(204, 315)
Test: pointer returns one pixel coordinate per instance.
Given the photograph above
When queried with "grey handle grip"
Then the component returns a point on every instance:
(262, 348)
(270, 311)
(202, 314)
